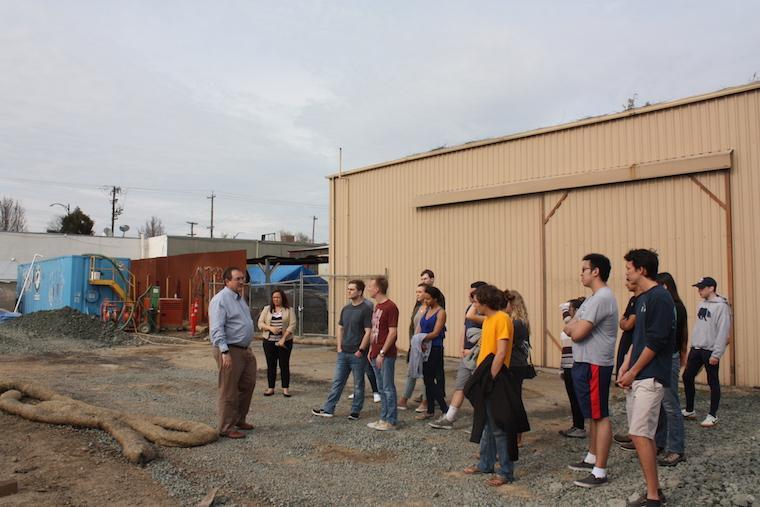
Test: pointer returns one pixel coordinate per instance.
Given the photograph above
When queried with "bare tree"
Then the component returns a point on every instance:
(297, 237)
(153, 227)
(56, 223)
(302, 237)
(12, 215)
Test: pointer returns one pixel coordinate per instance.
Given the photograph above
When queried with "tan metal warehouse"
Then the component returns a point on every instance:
(520, 211)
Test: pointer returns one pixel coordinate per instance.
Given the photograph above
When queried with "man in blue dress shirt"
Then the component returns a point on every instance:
(231, 335)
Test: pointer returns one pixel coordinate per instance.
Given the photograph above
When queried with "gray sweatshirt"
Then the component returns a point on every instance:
(712, 326)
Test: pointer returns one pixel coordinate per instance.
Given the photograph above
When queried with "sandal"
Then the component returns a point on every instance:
(472, 470)
(497, 480)
(269, 392)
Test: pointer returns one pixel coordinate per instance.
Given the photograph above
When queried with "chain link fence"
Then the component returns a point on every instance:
(317, 299)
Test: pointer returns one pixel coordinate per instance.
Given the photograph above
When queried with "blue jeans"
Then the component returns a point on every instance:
(411, 382)
(493, 443)
(670, 431)
(347, 363)
(386, 386)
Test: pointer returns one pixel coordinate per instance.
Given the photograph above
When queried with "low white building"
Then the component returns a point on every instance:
(19, 247)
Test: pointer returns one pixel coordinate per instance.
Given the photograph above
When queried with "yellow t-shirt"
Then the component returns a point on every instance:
(496, 327)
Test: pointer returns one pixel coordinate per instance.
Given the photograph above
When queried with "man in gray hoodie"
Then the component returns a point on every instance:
(708, 343)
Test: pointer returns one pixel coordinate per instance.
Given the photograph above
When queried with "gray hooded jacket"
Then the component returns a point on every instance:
(712, 326)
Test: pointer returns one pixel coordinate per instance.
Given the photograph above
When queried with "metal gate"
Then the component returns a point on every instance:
(317, 300)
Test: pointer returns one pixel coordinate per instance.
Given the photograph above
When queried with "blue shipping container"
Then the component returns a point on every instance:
(65, 281)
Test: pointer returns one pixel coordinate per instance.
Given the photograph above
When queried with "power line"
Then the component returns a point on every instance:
(172, 191)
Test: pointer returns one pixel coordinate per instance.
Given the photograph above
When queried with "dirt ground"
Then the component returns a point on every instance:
(293, 458)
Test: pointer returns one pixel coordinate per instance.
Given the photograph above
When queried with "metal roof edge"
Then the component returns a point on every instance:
(734, 90)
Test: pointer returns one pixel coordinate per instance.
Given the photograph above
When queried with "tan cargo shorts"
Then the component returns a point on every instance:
(642, 403)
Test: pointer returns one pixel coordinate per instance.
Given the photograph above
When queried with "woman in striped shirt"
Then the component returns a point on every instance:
(277, 322)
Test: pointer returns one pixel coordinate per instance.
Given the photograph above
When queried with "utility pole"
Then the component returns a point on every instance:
(115, 210)
(192, 224)
(212, 197)
(313, 226)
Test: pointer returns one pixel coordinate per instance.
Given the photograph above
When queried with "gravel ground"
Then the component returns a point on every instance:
(294, 458)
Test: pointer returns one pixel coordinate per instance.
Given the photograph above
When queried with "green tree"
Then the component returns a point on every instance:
(77, 222)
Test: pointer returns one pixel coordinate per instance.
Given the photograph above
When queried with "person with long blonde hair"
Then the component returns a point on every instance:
(520, 360)
(519, 363)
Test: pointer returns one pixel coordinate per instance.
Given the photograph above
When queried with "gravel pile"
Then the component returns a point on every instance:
(294, 458)
(56, 330)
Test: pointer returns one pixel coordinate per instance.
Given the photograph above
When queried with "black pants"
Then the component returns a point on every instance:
(371, 376)
(440, 376)
(433, 389)
(275, 354)
(578, 420)
(625, 344)
(697, 359)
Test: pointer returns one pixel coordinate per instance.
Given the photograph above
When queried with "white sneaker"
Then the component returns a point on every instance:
(687, 414)
(373, 425)
(709, 421)
(351, 396)
(376, 397)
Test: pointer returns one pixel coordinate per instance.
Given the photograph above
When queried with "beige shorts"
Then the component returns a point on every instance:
(642, 403)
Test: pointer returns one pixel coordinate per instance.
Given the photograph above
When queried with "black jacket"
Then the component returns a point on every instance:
(506, 403)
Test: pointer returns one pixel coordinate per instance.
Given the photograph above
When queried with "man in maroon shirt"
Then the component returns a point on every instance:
(382, 352)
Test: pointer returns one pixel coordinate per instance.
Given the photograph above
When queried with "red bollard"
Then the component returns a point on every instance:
(194, 318)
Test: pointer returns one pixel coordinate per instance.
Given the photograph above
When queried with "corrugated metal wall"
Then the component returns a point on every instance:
(672, 215)
(376, 226)
(175, 274)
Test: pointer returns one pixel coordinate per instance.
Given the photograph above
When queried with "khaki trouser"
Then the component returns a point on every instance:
(236, 385)
(642, 406)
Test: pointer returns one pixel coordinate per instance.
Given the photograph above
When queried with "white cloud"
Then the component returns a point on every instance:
(254, 98)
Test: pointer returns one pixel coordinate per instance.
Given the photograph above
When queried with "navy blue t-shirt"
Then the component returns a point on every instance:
(655, 329)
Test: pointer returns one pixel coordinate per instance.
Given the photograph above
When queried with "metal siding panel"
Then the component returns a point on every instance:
(611, 228)
(731, 122)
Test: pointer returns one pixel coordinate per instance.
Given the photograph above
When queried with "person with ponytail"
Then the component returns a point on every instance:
(670, 430)
(495, 340)
(520, 363)
(433, 324)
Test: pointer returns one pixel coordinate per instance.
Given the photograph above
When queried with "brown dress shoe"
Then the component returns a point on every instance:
(245, 426)
(233, 434)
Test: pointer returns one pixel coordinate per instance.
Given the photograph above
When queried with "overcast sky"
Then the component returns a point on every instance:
(173, 99)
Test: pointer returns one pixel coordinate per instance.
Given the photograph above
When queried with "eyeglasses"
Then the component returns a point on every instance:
(239, 278)
(584, 269)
